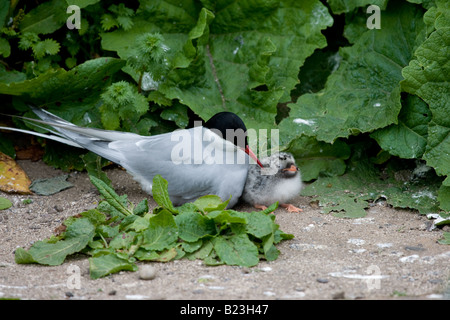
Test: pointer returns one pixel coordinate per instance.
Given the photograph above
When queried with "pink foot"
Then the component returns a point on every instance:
(291, 208)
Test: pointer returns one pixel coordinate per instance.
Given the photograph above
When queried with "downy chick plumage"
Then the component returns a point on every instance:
(278, 180)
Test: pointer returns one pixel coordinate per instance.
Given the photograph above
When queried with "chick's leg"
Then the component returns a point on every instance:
(260, 206)
(291, 208)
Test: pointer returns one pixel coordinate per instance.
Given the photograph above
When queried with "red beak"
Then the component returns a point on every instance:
(253, 156)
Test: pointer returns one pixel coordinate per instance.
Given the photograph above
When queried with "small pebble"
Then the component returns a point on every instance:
(338, 295)
(415, 248)
(322, 280)
(198, 291)
(147, 273)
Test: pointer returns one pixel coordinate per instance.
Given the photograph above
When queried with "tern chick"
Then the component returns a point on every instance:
(278, 180)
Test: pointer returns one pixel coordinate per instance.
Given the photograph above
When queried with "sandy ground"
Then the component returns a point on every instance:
(389, 254)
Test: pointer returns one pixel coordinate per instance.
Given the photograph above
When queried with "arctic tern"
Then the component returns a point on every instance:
(212, 159)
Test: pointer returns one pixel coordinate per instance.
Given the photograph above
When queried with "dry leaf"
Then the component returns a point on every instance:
(12, 177)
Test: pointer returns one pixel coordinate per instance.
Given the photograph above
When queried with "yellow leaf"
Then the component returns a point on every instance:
(12, 177)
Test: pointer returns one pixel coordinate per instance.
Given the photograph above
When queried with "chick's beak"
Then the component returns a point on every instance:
(291, 168)
(252, 155)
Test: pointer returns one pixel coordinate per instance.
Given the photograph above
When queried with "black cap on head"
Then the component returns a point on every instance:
(230, 126)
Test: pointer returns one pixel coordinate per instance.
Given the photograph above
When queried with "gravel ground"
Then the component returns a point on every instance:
(389, 254)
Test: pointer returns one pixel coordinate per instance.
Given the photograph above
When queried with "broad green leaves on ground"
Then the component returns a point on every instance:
(399, 185)
(77, 236)
(117, 234)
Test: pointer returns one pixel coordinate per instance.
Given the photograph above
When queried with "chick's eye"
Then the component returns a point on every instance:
(282, 158)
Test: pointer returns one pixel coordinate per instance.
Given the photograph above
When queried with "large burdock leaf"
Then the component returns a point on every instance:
(12, 177)
(341, 6)
(239, 56)
(317, 158)
(408, 138)
(364, 93)
(428, 76)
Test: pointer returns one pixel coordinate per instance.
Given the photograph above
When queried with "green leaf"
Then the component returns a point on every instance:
(226, 217)
(81, 3)
(5, 203)
(5, 48)
(49, 186)
(22, 256)
(193, 226)
(205, 250)
(428, 77)
(270, 208)
(444, 198)
(161, 195)
(408, 138)
(8, 76)
(189, 247)
(94, 164)
(62, 156)
(108, 22)
(106, 264)
(45, 18)
(437, 152)
(139, 224)
(52, 87)
(344, 6)
(141, 208)
(77, 236)
(347, 195)
(146, 255)
(259, 225)
(422, 198)
(364, 93)
(217, 51)
(110, 118)
(237, 250)
(271, 253)
(110, 196)
(177, 113)
(107, 231)
(162, 232)
(4, 8)
(210, 203)
(48, 46)
(446, 239)
(317, 158)
(123, 240)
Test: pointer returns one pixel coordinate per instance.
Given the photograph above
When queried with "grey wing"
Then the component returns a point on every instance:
(180, 159)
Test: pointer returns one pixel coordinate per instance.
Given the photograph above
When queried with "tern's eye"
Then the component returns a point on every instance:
(282, 157)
